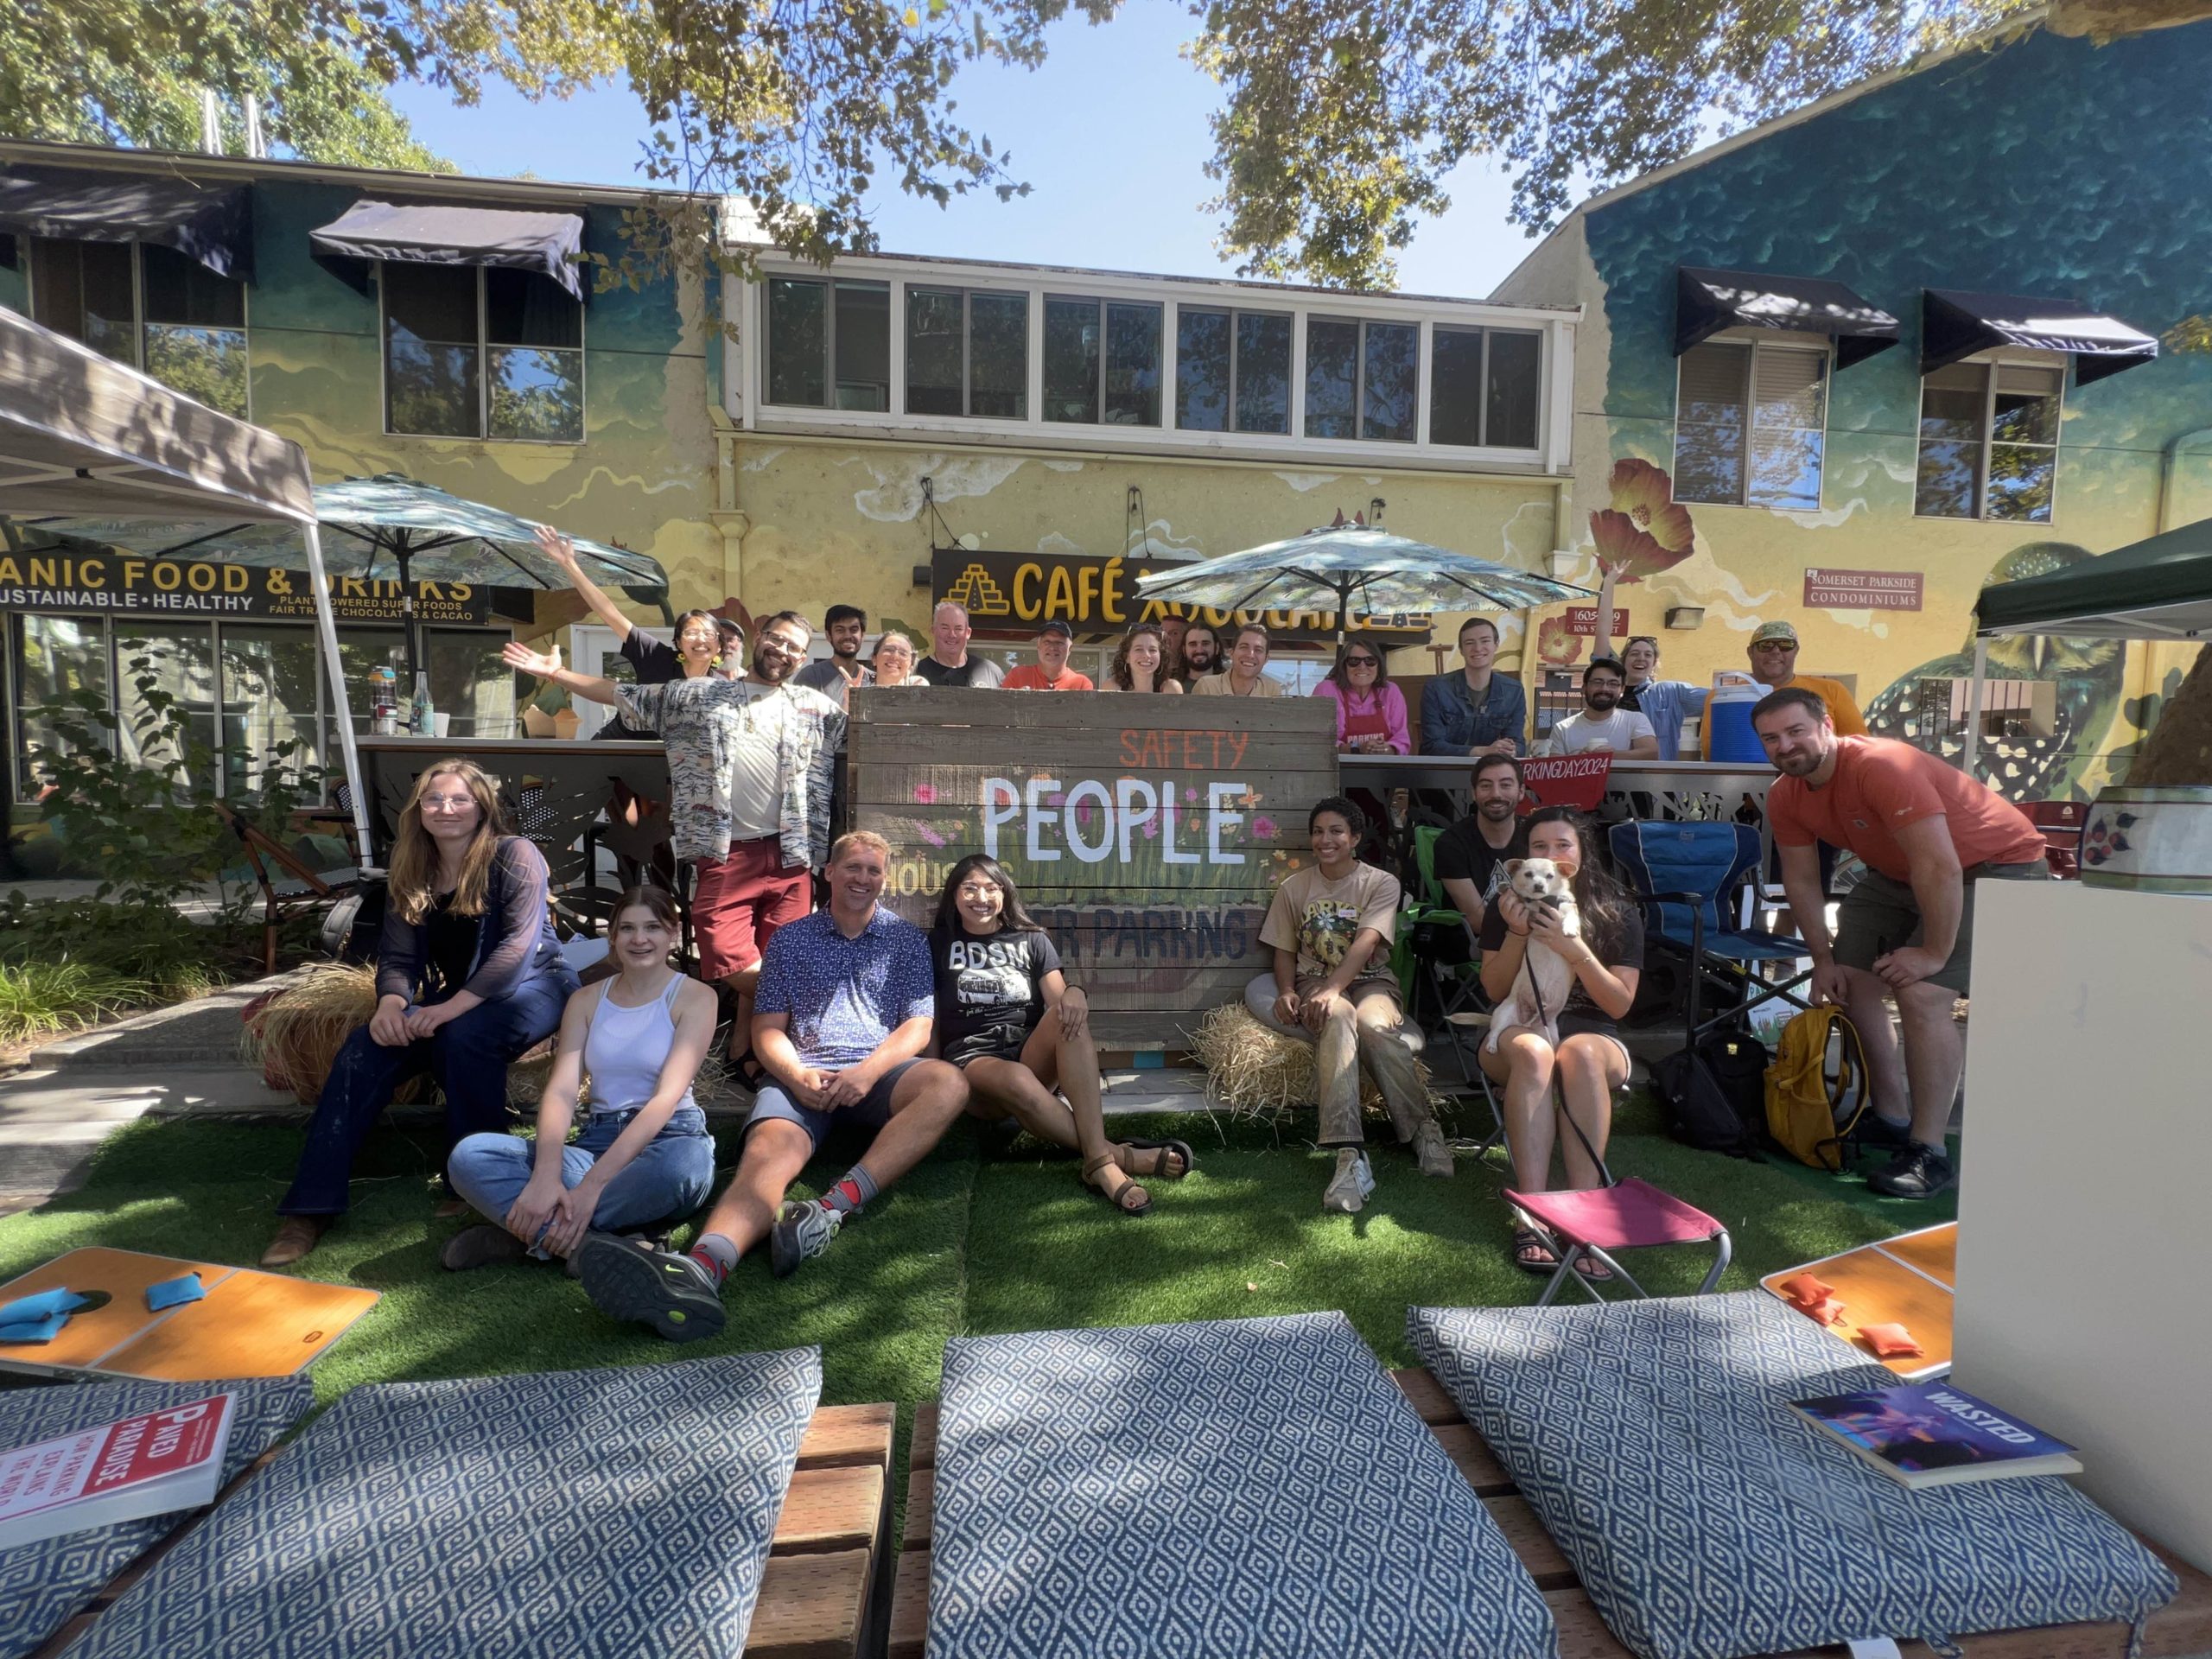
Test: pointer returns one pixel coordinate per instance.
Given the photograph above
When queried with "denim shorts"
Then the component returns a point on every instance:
(872, 1112)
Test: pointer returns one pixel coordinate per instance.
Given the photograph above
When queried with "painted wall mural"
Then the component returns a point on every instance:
(2003, 170)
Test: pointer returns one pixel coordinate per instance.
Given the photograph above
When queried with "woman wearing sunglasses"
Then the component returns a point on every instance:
(1371, 716)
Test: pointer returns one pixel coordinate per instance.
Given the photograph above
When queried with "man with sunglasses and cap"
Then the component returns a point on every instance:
(1773, 651)
(1049, 672)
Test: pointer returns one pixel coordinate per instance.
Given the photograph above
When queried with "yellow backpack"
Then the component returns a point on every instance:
(1817, 1087)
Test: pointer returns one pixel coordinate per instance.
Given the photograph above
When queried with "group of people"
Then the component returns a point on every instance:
(848, 1014)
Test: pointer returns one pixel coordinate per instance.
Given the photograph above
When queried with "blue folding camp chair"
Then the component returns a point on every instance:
(1686, 877)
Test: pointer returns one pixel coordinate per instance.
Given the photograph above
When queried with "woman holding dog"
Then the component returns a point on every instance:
(1021, 1033)
(1605, 959)
(469, 978)
(645, 1154)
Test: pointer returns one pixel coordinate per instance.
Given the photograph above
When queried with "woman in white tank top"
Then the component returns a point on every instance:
(645, 1154)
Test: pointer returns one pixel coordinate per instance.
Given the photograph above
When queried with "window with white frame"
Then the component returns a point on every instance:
(1362, 379)
(1485, 387)
(472, 352)
(828, 344)
(1749, 422)
(151, 307)
(1232, 370)
(968, 353)
(1102, 362)
(1989, 442)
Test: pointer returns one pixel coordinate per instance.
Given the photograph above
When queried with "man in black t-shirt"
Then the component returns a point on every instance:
(949, 662)
(1469, 857)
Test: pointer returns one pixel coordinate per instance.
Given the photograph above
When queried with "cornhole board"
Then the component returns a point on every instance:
(1908, 1280)
(250, 1324)
(2181, 1629)
(822, 1590)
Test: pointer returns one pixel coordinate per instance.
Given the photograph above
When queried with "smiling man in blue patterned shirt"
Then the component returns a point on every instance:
(846, 1006)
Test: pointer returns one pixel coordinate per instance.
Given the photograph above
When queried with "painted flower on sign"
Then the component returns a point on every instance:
(1557, 644)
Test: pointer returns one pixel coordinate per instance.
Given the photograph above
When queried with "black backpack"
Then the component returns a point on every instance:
(1713, 1092)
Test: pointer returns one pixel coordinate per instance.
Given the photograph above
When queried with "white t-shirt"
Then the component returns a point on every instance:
(1584, 731)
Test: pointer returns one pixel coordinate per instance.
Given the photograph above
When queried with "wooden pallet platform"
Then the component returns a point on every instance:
(2183, 1629)
(819, 1589)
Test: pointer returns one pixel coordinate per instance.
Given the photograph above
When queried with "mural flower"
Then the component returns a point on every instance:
(1556, 644)
(1646, 494)
(925, 793)
(1264, 828)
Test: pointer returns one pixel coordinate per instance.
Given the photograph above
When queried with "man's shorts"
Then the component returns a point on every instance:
(1881, 915)
(872, 1111)
(740, 903)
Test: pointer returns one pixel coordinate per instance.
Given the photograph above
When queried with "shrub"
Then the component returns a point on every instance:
(38, 999)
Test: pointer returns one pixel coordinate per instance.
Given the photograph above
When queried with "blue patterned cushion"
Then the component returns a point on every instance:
(44, 1586)
(1253, 1487)
(618, 1512)
(1708, 1520)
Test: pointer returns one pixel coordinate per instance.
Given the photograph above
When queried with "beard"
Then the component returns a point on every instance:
(775, 669)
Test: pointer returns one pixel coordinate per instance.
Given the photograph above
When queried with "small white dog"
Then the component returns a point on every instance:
(1544, 978)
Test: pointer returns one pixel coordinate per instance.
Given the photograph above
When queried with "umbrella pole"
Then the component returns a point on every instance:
(327, 629)
(1973, 705)
(410, 640)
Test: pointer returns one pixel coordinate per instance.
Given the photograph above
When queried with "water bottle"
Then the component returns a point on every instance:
(424, 716)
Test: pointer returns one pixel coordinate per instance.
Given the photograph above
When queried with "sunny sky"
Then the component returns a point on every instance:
(1110, 134)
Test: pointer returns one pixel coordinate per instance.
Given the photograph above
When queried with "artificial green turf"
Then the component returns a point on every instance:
(982, 1237)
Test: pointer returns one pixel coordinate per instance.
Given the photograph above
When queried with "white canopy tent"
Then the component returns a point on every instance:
(84, 436)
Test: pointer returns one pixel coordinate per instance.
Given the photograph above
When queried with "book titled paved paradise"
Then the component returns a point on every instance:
(152, 1463)
(1936, 1435)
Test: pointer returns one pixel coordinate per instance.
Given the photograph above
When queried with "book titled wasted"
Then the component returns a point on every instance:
(1936, 1435)
(152, 1463)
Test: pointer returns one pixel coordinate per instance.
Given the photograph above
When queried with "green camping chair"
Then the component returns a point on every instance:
(1455, 988)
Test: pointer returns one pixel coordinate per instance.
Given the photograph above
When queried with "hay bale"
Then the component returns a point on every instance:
(1259, 1072)
(294, 1035)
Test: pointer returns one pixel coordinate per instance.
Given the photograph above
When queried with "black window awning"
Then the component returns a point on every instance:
(445, 235)
(1955, 324)
(206, 223)
(1706, 301)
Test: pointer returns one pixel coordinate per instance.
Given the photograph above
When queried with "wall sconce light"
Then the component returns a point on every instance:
(921, 574)
(1685, 616)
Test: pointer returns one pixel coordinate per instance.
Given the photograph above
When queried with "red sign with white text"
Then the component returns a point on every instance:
(1583, 620)
(1575, 780)
(1863, 590)
(151, 1464)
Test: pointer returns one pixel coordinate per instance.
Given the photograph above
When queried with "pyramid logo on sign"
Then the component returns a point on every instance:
(977, 594)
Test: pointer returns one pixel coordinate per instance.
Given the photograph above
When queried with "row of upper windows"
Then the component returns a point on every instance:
(1108, 362)
(1750, 430)
(469, 352)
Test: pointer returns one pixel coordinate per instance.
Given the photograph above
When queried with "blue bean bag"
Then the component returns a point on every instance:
(44, 1586)
(1708, 1520)
(1252, 1487)
(587, 1514)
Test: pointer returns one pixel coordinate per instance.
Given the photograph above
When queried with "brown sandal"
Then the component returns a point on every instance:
(1161, 1151)
(1119, 1197)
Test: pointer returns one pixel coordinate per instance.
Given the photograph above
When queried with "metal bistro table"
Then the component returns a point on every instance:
(1680, 789)
(556, 787)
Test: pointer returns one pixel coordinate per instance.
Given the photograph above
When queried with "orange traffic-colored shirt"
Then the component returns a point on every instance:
(1030, 678)
(1879, 785)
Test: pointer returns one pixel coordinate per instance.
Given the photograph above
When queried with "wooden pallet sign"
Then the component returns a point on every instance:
(1148, 833)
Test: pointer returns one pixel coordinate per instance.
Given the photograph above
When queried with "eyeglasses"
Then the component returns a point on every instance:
(447, 803)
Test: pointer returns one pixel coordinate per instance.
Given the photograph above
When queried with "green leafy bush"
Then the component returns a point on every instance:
(38, 999)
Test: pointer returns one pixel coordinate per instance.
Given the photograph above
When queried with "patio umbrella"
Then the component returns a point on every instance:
(1351, 568)
(386, 528)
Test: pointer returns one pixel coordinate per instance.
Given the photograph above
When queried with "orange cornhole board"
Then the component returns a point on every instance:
(1905, 1280)
(248, 1324)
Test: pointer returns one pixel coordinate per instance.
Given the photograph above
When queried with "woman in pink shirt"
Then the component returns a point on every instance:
(1371, 714)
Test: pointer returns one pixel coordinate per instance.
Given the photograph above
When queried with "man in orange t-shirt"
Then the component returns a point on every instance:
(1927, 833)
(1049, 672)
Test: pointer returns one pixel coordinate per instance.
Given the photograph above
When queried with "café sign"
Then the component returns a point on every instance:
(1013, 593)
(143, 586)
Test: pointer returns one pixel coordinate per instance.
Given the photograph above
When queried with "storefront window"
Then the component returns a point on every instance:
(55, 656)
(180, 663)
(271, 689)
(469, 682)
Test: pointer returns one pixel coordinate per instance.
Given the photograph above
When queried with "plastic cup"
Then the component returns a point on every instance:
(440, 724)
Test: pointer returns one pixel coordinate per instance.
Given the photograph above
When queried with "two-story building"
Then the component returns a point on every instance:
(1847, 368)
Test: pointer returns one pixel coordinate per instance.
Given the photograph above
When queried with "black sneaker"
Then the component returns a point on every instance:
(628, 1278)
(1873, 1130)
(803, 1229)
(1917, 1171)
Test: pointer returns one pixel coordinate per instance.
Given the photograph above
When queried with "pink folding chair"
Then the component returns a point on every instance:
(1630, 1215)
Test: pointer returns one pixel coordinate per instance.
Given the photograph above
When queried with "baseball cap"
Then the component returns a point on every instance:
(1767, 632)
(1055, 626)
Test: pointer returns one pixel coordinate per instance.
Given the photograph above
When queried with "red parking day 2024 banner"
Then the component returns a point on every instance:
(1575, 780)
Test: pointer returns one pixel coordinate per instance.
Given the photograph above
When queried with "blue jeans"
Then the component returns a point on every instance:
(668, 1179)
(469, 1056)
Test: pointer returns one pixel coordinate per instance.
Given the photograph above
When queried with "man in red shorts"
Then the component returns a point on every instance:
(1927, 833)
(749, 768)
